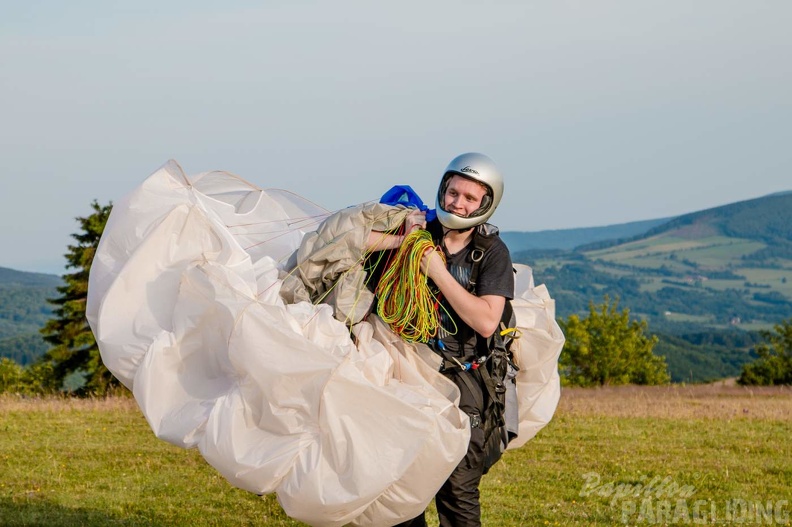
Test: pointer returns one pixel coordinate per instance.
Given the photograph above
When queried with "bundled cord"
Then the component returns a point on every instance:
(406, 303)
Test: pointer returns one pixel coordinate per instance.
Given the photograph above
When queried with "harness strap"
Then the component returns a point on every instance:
(496, 392)
(481, 243)
(494, 388)
(477, 395)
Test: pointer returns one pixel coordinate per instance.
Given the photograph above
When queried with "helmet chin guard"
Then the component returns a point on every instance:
(479, 168)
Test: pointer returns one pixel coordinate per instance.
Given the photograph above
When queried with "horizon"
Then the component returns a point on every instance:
(613, 225)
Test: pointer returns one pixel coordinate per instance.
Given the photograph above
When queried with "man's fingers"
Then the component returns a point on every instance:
(415, 220)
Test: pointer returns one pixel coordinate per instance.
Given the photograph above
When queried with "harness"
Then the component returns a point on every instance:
(491, 365)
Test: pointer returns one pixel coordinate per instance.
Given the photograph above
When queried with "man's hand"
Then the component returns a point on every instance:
(432, 264)
(482, 313)
(380, 241)
(414, 221)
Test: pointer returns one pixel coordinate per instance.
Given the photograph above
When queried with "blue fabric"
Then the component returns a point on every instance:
(405, 195)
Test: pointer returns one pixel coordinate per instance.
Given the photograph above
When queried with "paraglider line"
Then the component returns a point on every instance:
(406, 302)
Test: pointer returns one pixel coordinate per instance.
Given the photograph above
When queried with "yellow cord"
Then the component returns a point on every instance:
(406, 303)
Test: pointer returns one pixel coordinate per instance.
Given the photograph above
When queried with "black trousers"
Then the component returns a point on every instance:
(457, 501)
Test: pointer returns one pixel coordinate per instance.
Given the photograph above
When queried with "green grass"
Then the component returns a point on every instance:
(682, 317)
(711, 252)
(778, 279)
(752, 326)
(652, 285)
(67, 463)
(82, 465)
(655, 244)
(719, 255)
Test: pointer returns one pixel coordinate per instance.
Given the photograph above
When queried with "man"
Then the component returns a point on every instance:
(469, 192)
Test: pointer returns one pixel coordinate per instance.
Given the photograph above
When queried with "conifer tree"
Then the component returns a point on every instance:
(74, 348)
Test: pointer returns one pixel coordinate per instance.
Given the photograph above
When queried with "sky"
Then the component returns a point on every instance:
(597, 112)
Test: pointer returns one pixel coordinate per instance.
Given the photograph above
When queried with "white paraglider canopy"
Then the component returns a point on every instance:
(198, 298)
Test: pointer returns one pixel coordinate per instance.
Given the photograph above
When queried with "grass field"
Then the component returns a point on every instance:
(713, 251)
(616, 456)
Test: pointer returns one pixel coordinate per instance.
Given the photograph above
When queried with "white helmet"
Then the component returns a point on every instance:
(479, 168)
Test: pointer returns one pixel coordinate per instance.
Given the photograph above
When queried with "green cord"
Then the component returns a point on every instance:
(406, 303)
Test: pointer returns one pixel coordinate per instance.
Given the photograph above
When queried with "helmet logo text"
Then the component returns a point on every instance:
(470, 170)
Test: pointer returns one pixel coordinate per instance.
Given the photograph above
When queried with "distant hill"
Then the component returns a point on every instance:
(571, 238)
(724, 272)
(764, 219)
(23, 310)
(12, 276)
(742, 249)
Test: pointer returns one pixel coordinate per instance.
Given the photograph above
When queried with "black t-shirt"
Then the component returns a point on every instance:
(495, 277)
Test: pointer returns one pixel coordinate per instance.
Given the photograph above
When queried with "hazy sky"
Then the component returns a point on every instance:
(598, 112)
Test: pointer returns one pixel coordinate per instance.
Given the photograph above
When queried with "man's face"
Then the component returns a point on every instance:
(463, 196)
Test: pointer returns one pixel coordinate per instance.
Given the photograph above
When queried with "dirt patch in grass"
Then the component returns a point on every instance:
(722, 400)
(53, 403)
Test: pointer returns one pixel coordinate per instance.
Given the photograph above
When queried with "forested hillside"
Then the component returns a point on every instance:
(23, 310)
(764, 219)
(570, 238)
(14, 277)
(723, 273)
